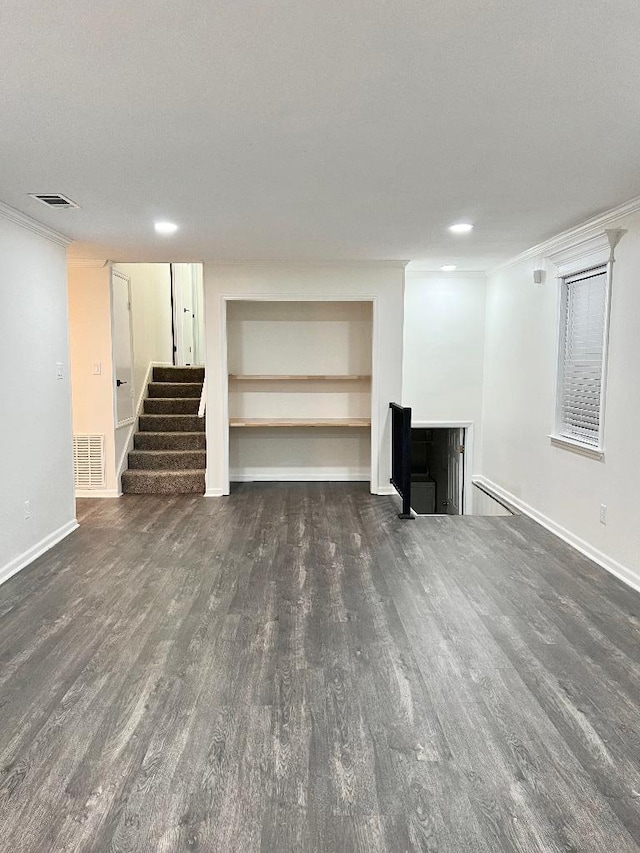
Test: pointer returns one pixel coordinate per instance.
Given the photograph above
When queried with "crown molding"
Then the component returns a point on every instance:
(19, 218)
(587, 252)
(87, 263)
(582, 233)
(455, 274)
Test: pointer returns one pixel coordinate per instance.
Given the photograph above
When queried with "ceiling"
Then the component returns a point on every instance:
(319, 129)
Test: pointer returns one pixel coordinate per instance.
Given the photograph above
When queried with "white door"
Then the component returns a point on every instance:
(455, 471)
(183, 314)
(198, 311)
(122, 347)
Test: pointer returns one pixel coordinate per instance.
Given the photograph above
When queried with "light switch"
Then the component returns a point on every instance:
(96, 368)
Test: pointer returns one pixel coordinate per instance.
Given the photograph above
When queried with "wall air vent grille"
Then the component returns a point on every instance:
(54, 200)
(88, 461)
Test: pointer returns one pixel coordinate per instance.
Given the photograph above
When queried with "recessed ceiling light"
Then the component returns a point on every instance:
(461, 228)
(448, 267)
(165, 227)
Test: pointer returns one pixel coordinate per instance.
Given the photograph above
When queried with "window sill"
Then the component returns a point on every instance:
(576, 447)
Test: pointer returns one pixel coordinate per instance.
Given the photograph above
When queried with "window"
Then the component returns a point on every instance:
(581, 357)
(585, 268)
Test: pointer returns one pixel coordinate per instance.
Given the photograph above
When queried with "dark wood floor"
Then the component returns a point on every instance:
(295, 669)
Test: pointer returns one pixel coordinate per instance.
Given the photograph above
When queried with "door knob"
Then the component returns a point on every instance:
(120, 382)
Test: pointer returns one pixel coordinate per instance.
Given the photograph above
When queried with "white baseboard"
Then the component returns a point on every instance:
(14, 566)
(299, 475)
(98, 493)
(385, 490)
(623, 573)
(214, 493)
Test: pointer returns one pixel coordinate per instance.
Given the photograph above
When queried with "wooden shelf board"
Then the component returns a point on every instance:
(244, 377)
(299, 422)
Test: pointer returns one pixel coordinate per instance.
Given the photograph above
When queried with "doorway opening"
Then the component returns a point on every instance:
(438, 470)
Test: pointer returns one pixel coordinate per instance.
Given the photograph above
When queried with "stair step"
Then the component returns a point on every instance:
(175, 389)
(171, 423)
(167, 460)
(171, 405)
(163, 482)
(169, 441)
(178, 374)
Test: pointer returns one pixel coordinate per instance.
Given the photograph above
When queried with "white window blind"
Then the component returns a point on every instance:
(582, 344)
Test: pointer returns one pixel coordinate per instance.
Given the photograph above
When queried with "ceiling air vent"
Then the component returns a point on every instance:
(54, 199)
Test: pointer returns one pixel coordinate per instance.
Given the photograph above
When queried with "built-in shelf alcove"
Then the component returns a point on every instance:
(302, 361)
(299, 383)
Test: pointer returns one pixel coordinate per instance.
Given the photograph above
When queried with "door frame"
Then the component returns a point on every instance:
(467, 467)
(132, 419)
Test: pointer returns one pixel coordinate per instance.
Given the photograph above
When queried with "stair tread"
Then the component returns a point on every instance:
(178, 374)
(160, 450)
(155, 422)
(163, 472)
(168, 431)
(185, 481)
(170, 441)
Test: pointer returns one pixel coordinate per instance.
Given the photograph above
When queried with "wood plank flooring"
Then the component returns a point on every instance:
(294, 669)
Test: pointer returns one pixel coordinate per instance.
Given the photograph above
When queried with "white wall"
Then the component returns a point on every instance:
(90, 341)
(564, 489)
(381, 282)
(444, 349)
(36, 457)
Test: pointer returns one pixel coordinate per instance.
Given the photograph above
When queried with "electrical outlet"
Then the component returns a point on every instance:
(27, 509)
(603, 514)
(59, 370)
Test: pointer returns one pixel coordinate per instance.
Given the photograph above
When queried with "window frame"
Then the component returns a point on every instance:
(560, 421)
(587, 256)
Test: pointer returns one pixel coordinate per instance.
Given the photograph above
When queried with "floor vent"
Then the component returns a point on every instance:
(54, 200)
(88, 461)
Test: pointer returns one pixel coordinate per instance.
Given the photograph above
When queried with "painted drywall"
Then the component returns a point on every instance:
(91, 349)
(286, 283)
(484, 504)
(91, 343)
(561, 488)
(276, 338)
(36, 456)
(443, 365)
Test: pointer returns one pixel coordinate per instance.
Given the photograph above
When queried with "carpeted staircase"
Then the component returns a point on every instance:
(169, 448)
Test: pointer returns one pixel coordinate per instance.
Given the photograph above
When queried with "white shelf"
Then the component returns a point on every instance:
(299, 422)
(245, 377)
